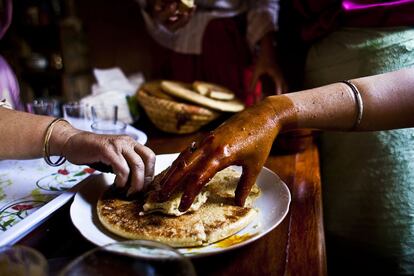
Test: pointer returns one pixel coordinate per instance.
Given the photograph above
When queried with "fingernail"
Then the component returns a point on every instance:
(183, 206)
(148, 179)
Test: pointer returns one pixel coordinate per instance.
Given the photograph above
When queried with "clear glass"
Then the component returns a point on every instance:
(109, 127)
(21, 260)
(105, 120)
(42, 107)
(102, 112)
(131, 258)
(75, 113)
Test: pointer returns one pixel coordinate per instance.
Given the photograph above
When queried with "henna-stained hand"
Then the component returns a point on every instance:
(245, 140)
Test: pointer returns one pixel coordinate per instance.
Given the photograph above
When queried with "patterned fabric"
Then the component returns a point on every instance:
(262, 17)
(367, 178)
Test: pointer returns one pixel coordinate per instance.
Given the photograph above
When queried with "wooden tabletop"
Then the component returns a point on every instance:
(295, 247)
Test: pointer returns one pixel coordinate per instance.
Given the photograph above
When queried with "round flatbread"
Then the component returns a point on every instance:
(213, 91)
(182, 91)
(217, 219)
(188, 3)
(154, 88)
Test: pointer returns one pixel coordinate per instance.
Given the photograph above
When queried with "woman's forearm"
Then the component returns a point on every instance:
(388, 102)
(22, 135)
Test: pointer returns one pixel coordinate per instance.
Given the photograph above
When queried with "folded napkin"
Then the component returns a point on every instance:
(113, 88)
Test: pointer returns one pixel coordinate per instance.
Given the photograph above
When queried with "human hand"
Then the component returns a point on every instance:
(244, 140)
(267, 64)
(123, 154)
(170, 13)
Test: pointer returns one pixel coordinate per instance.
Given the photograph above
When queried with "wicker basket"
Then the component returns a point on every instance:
(174, 117)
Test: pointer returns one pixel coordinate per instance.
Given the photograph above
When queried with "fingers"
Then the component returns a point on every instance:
(120, 168)
(180, 167)
(137, 170)
(195, 181)
(246, 183)
(148, 156)
(132, 162)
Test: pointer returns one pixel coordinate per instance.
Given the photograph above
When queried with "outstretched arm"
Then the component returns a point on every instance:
(22, 136)
(388, 103)
(246, 138)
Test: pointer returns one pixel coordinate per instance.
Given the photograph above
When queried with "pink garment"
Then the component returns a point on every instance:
(317, 18)
(8, 81)
(9, 84)
(374, 13)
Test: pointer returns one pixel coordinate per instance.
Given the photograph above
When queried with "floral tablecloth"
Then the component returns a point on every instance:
(30, 190)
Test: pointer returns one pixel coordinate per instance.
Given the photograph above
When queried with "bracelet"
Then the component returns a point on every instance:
(358, 102)
(46, 146)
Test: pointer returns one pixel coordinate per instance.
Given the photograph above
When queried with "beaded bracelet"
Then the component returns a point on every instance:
(358, 102)
(46, 146)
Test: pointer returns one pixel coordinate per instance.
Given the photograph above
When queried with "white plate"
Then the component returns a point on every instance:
(137, 134)
(273, 205)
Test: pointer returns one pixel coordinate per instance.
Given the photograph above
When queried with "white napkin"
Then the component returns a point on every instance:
(111, 89)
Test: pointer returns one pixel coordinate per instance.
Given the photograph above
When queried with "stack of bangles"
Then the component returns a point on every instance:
(358, 102)
(46, 145)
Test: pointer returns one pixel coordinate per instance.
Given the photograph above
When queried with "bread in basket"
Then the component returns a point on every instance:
(172, 115)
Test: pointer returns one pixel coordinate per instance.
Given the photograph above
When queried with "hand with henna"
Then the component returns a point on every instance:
(244, 140)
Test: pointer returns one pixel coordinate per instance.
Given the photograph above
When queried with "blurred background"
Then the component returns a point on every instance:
(53, 45)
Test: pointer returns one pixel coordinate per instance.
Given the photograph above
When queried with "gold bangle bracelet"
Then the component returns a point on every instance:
(46, 145)
(358, 102)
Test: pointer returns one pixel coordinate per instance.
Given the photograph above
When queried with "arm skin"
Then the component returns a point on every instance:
(246, 138)
(22, 136)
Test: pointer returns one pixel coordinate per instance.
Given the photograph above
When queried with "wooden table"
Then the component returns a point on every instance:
(295, 247)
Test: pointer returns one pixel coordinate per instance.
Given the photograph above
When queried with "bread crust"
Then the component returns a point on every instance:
(217, 219)
(181, 90)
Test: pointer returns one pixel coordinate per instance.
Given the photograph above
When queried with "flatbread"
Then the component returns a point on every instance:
(182, 91)
(154, 88)
(220, 188)
(217, 219)
(213, 91)
(188, 3)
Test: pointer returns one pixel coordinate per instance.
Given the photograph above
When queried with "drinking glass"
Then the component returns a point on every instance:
(139, 257)
(105, 120)
(20, 260)
(42, 107)
(74, 113)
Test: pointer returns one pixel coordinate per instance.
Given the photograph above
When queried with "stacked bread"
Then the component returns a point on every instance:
(185, 107)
